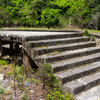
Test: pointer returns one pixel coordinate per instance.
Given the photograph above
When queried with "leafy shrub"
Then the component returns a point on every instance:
(46, 75)
(2, 90)
(50, 17)
(52, 84)
(84, 13)
(57, 95)
(86, 33)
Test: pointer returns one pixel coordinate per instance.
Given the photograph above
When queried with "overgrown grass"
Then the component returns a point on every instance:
(63, 22)
(94, 31)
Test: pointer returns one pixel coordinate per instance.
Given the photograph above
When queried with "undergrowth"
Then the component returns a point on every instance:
(49, 82)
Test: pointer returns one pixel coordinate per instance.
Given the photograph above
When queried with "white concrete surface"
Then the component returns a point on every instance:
(29, 33)
(91, 94)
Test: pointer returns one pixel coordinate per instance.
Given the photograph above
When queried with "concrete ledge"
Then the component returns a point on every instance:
(41, 30)
(95, 34)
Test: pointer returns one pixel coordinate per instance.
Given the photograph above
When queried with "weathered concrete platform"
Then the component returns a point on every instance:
(33, 33)
(15, 37)
(21, 35)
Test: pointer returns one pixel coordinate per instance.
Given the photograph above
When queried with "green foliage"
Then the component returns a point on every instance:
(34, 80)
(2, 90)
(62, 5)
(93, 3)
(19, 74)
(32, 13)
(19, 69)
(57, 95)
(86, 33)
(46, 75)
(25, 96)
(12, 11)
(51, 82)
(28, 16)
(50, 17)
(63, 22)
(3, 62)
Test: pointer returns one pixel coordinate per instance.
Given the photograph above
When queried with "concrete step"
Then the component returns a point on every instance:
(68, 64)
(74, 59)
(72, 74)
(91, 94)
(68, 54)
(61, 48)
(82, 84)
(51, 42)
(52, 35)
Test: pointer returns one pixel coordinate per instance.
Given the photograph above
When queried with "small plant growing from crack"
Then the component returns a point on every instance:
(86, 33)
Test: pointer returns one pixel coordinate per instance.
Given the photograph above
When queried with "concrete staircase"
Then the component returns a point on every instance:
(75, 59)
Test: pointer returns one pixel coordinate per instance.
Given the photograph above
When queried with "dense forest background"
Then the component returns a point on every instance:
(50, 13)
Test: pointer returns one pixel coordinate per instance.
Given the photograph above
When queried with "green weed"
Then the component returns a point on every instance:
(2, 90)
(25, 96)
(3, 62)
(86, 33)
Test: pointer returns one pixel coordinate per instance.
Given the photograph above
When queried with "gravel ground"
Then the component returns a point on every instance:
(30, 90)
